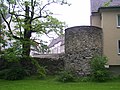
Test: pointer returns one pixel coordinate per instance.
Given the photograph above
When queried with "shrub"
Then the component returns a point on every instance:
(66, 76)
(32, 67)
(99, 72)
(41, 72)
(16, 67)
(16, 73)
(3, 73)
(13, 73)
(85, 79)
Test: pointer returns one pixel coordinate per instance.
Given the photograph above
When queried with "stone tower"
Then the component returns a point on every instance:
(81, 44)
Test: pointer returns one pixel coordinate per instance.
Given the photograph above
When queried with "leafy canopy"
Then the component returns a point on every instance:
(28, 16)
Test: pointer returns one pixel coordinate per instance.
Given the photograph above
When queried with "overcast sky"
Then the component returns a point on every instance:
(75, 15)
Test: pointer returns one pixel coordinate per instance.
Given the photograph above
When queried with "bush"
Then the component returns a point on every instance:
(41, 73)
(99, 72)
(16, 73)
(15, 67)
(66, 76)
(3, 73)
(85, 79)
(32, 67)
(16, 70)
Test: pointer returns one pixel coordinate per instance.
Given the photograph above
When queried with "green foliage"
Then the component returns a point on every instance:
(10, 56)
(98, 62)
(32, 67)
(28, 17)
(13, 53)
(3, 73)
(84, 79)
(3, 42)
(42, 47)
(3, 8)
(16, 70)
(52, 24)
(41, 71)
(66, 76)
(13, 71)
(99, 72)
(17, 67)
(48, 25)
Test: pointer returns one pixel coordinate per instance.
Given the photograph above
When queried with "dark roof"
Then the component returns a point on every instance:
(96, 4)
(56, 41)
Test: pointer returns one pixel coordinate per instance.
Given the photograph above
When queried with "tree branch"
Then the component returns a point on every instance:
(8, 24)
(41, 9)
(20, 5)
(32, 7)
(19, 24)
(49, 36)
(11, 15)
(40, 17)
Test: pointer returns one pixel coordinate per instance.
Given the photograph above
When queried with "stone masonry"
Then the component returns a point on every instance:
(81, 44)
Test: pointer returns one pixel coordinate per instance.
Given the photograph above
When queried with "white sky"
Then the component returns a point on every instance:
(75, 15)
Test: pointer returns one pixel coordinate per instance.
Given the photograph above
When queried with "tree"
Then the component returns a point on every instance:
(30, 16)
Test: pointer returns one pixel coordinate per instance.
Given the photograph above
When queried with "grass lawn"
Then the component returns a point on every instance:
(51, 84)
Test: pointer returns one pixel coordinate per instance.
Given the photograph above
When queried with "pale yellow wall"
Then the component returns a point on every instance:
(111, 35)
(95, 20)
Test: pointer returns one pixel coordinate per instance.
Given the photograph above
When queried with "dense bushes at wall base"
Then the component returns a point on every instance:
(41, 73)
(66, 76)
(100, 75)
(16, 70)
(13, 73)
(28, 65)
(3, 73)
(98, 71)
(84, 79)
(32, 67)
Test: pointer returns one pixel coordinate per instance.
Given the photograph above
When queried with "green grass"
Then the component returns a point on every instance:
(50, 84)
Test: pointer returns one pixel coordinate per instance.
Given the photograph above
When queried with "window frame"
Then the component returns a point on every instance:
(118, 22)
(118, 46)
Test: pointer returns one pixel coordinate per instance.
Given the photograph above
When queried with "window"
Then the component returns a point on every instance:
(118, 22)
(118, 46)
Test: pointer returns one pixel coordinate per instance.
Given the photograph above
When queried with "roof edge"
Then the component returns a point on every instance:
(109, 8)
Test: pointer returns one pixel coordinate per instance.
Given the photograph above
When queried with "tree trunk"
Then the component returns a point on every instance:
(0, 34)
(26, 44)
(27, 33)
